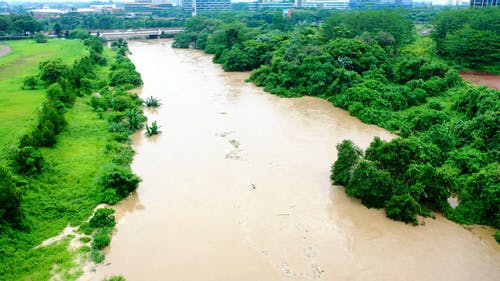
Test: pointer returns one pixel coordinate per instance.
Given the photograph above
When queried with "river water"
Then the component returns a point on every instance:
(237, 188)
(485, 79)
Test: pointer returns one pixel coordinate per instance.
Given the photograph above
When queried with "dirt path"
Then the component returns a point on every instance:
(4, 50)
(489, 80)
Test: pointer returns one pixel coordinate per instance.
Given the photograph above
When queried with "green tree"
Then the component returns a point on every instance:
(402, 208)
(28, 160)
(348, 155)
(30, 82)
(10, 199)
(52, 71)
(119, 179)
(371, 185)
(58, 30)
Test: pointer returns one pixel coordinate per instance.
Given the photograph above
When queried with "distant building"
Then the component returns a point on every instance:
(146, 7)
(483, 3)
(379, 4)
(261, 5)
(327, 4)
(200, 6)
(87, 10)
(46, 12)
(105, 8)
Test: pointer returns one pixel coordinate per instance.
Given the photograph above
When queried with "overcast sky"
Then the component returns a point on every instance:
(436, 2)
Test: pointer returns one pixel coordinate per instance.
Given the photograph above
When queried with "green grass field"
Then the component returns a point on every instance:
(65, 191)
(17, 106)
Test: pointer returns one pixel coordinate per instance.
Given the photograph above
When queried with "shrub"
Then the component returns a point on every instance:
(40, 38)
(103, 218)
(84, 249)
(125, 76)
(28, 160)
(402, 208)
(151, 102)
(153, 130)
(30, 82)
(120, 179)
(85, 239)
(115, 278)
(109, 196)
(348, 156)
(134, 119)
(52, 71)
(497, 236)
(96, 256)
(85, 228)
(10, 198)
(371, 185)
(100, 241)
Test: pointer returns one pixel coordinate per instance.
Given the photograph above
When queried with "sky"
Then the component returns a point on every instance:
(435, 2)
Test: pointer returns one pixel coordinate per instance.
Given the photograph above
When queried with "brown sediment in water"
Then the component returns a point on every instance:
(485, 79)
(268, 211)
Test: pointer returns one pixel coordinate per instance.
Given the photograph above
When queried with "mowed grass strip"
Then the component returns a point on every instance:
(18, 107)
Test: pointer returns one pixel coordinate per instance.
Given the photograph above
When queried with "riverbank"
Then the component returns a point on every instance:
(65, 192)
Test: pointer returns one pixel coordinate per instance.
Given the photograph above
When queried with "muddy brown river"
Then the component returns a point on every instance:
(237, 188)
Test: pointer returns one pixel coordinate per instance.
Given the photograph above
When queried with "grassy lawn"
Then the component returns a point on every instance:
(18, 107)
(65, 191)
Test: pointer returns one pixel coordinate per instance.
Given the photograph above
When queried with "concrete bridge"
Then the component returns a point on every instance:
(141, 33)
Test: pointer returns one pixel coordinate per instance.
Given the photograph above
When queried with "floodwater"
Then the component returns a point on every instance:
(237, 188)
(485, 79)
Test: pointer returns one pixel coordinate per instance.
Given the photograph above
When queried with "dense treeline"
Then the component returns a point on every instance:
(71, 21)
(469, 37)
(449, 131)
(18, 25)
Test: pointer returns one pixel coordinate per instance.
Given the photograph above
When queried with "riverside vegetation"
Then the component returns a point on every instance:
(65, 149)
(374, 64)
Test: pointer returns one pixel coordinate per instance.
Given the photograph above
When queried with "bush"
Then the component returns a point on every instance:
(40, 38)
(402, 208)
(115, 278)
(50, 123)
(153, 130)
(85, 239)
(125, 76)
(371, 185)
(10, 198)
(85, 228)
(30, 82)
(103, 218)
(28, 160)
(152, 102)
(52, 71)
(497, 236)
(100, 241)
(96, 256)
(348, 156)
(109, 196)
(122, 180)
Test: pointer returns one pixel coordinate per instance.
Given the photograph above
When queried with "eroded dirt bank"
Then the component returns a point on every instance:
(237, 188)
